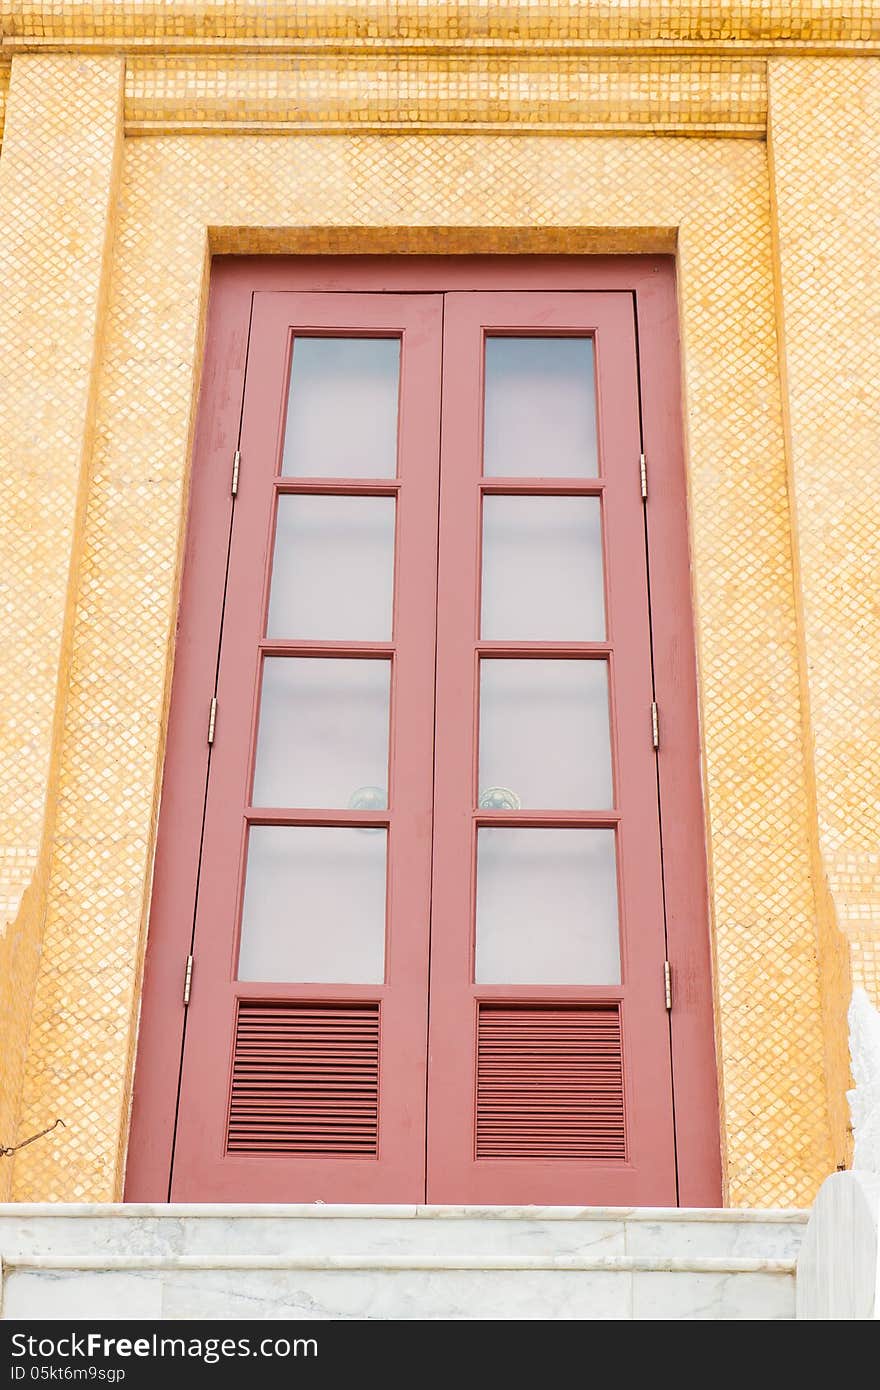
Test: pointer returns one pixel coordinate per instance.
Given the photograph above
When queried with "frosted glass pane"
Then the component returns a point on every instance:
(540, 408)
(342, 408)
(547, 907)
(545, 735)
(314, 905)
(333, 571)
(323, 736)
(542, 569)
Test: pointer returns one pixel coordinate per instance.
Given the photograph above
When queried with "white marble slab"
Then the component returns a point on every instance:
(696, 1297)
(388, 1237)
(743, 1239)
(403, 1294)
(63, 1234)
(42, 1295)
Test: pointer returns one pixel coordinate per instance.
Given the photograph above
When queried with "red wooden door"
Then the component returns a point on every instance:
(418, 865)
(304, 1059)
(549, 1059)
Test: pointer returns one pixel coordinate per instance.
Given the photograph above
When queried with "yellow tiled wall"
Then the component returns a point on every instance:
(779, 327)
(825, 144)
(58, 176)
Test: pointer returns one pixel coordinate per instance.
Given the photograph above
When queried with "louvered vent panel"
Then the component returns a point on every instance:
(550, 1083)
(305, 1080)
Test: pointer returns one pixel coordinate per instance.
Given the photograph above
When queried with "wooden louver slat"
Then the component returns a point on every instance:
(305, 1080)
(550, 1083)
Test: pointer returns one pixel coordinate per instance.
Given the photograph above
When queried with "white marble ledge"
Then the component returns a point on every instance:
(213, 1232)
(374, 1231)
(593, 1264)
(362, 1212)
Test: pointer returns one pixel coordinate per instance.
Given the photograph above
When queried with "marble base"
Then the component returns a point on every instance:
(261, 1263)
(838, 1268)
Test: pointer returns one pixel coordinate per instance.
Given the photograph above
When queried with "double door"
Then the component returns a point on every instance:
(428, 956)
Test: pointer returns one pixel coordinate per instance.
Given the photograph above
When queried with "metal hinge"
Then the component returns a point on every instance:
(667, 982)
(655, 724)
(187, 979)
(212, 719)
(236, 464)
(643, 476)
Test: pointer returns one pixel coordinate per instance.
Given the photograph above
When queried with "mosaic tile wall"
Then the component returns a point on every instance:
(64, 121)
(824, 144)
(92, 574)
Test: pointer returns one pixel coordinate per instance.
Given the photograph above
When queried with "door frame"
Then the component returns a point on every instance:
(651, 280)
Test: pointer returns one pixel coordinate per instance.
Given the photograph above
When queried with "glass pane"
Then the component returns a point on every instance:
(540, 408)
(542, 569)
(545, 738)
(323, 738)
(314, 905)
(342, 408)
(333, 570)
(547, 907)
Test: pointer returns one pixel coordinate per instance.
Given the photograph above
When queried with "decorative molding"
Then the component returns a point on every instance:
(814, 25)
(545, 67)
(532, 95)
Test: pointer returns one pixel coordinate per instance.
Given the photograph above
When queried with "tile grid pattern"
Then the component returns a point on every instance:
(717, 195)
(825, 132)
(64, 121)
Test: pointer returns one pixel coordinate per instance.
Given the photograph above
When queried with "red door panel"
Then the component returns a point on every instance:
(554, 1091)
(300, 1089)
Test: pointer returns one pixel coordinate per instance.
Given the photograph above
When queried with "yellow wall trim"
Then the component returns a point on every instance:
(536, 95)
(288, 22)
